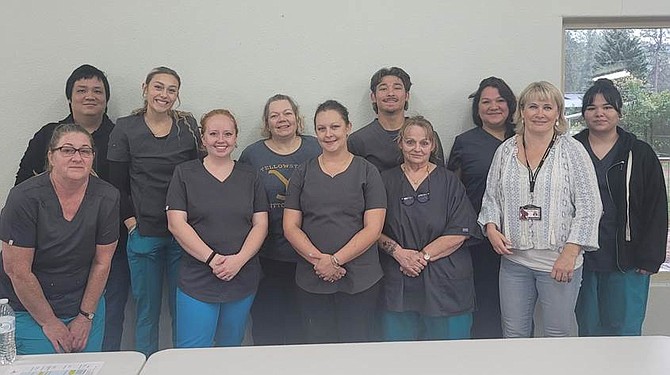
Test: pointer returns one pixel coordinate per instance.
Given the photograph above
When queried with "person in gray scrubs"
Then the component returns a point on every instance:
(59, 231)
(428, 288)
(275, 313)
(144, 149)
(217, 210)
(335, 207)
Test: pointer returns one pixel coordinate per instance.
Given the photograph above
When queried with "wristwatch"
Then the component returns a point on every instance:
(426, 256)
(87, 315)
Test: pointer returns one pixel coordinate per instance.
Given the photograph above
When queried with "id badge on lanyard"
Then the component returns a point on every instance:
(531, 211)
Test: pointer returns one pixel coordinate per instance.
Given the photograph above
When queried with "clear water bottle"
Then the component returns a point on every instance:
(7, 331)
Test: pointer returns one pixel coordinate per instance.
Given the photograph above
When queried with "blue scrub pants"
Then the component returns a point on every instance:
(202, 324)
(612, 303)
(410, 326)
(521, 288)
(148, 258)
(30, 339)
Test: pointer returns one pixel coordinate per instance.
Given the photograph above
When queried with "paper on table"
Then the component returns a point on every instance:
(76, 368)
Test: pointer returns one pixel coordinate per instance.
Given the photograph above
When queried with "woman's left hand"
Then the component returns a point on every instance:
(411, 262)
(79, 327)
(326, 270)
(228, 266)
(564, 267)
(643, 272)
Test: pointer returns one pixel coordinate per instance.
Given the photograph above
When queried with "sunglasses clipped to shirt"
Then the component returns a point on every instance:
(421, 197)
(410, 199)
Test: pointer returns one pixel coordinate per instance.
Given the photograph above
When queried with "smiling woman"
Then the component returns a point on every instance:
(493, 108)
(541, 227)
(275, 310)
(219, 272)
(144, 149)
(59, 233)
(334, 214)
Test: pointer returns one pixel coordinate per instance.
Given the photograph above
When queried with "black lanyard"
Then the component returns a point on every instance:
(532, 176)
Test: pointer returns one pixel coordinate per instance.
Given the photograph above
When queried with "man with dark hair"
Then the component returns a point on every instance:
(87, 92)
(377, 141)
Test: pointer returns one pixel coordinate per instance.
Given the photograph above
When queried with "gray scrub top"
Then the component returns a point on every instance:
(221, 214)
(64, 250)
(152, 161)
(332, 213)
(375, 144)
(446, 286)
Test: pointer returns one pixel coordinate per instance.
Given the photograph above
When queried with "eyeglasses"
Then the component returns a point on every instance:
(69, 151)
(421, 198)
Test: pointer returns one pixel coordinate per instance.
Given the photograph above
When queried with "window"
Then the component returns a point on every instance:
(638, 61)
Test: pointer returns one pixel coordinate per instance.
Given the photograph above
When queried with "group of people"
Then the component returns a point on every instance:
(290, 233)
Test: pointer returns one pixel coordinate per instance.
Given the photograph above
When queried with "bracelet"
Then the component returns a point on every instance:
(87, 315)
(211, 256)
(335, 261)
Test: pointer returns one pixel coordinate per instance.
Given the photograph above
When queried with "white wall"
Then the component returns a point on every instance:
(236, 54)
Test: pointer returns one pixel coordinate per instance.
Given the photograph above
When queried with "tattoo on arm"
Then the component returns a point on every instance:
(389, 246)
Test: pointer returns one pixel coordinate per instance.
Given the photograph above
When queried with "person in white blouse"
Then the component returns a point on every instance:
(541, 211)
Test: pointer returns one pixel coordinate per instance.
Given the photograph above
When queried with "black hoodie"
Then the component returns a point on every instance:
(637, 186)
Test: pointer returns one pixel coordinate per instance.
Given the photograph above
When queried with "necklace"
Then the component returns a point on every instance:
(418, 180)
(158, 128)
(333, 168)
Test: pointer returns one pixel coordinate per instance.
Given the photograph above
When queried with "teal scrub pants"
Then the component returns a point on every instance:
(203, 324)
(30, 339)
(411, 326)
(149, 258)
(612, 303)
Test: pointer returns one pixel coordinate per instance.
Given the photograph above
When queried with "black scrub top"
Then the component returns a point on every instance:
(604, 260)
(472, 153)
(446, 286)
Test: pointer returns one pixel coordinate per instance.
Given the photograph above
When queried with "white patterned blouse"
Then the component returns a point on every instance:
(566, 189)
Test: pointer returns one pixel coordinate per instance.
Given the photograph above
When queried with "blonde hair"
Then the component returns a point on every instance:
(213, 113)
(423, 123)
(300, 122)
(541, 90)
